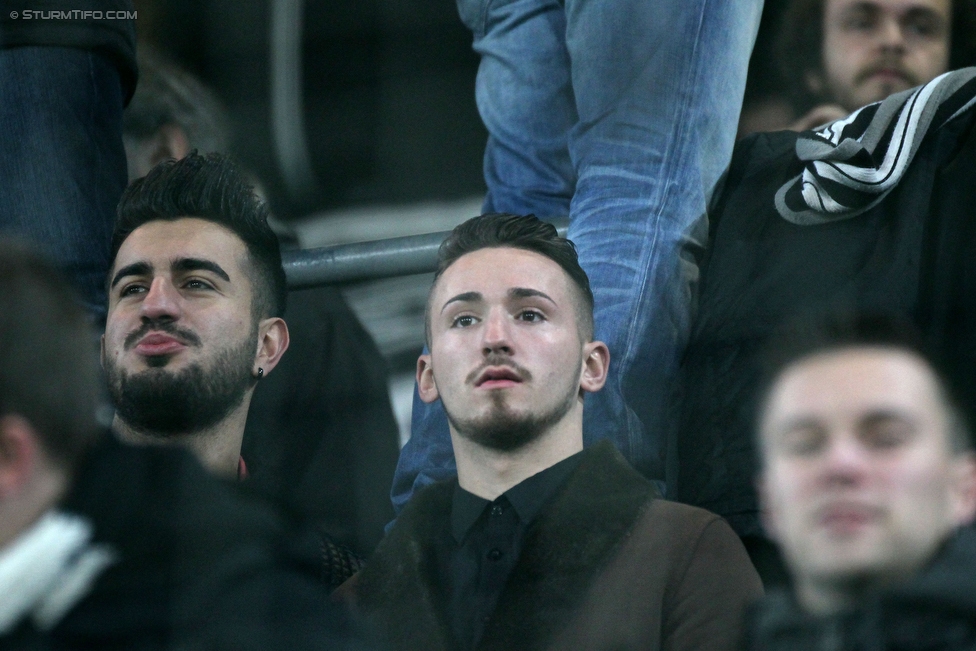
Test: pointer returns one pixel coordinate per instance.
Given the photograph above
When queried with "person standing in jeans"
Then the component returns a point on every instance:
(65, 77)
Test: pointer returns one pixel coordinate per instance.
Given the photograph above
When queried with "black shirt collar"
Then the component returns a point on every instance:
(527, 497)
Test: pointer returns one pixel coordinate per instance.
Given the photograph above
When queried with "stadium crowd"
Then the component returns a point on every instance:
(729, 410)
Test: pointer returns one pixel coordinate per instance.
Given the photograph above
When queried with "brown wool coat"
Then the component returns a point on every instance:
(606, 566)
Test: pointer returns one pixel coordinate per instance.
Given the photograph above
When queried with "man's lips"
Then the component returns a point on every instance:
(498, 377)
(159, 344)
(847, 517)
(890, 75)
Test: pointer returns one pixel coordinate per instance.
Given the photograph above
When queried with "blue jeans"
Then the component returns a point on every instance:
(62, 163)
(623, 116)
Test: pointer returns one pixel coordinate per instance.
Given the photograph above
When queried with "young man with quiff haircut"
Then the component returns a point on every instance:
(538, 543)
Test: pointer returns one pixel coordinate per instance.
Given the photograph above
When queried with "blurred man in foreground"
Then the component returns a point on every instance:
(104, 545)
(867, 476)
(538, 543)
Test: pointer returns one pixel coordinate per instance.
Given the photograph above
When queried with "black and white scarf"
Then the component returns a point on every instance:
(851, 165)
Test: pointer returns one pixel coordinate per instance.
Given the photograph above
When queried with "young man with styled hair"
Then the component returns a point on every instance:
(196, 295)
(539, 543)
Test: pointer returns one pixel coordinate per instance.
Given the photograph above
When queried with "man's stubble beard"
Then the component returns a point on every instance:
(164, 404)
(503, 430)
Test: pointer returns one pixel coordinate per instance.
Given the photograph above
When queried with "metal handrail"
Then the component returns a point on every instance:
(346, 263)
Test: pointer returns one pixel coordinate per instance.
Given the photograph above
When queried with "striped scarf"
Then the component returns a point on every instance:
(851, 165)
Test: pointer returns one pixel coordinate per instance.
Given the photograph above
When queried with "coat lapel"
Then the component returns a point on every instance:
(568, 545)
(396, 591)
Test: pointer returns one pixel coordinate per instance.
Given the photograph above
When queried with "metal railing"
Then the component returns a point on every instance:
(346, 263)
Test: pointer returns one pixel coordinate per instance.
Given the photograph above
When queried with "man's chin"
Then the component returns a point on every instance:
(159, 361)
(877, 89)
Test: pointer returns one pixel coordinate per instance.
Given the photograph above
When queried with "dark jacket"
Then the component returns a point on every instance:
(935, 612)
(198, 566)
(320, 435)
(913, 254)
(606, 565)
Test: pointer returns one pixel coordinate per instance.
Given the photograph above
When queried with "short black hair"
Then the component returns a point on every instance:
(505, 230)
(799, 46)
(209, 187)
(835, 329)
(49, 374)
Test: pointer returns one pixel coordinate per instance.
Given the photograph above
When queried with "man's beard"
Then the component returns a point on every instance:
(504, 430)
(163, 403)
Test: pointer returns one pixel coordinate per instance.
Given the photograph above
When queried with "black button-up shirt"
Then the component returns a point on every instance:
(486, 542)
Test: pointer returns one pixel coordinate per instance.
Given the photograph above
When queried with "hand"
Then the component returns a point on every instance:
(818, 116)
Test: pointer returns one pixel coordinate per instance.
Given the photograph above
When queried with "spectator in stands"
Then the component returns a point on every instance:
(840, 55)
(320, 433)
(196, 294)
(537, 543)
(63, 84)
(171, 114)
(868, 475)
(104, 545)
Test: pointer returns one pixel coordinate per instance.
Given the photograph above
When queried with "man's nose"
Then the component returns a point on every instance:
(162, 300)
(496, 334)
(845, 461)
(891, 34)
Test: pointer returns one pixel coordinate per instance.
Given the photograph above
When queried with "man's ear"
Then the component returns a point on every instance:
(273, 340)
(596, 364)
(19, 447)
(963, 497)
(426, 386)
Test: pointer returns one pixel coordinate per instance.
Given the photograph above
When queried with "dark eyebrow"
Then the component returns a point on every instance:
(859, 8)
(465, 297)
(883, 415)
(924, 12)
(197, 264)
(524, 292)
(134, 269)
(800, 422)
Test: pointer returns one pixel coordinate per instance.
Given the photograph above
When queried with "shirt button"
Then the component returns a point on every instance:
(495, 554)
(496, 509)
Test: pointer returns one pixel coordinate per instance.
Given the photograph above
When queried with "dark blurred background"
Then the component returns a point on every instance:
(385, 89)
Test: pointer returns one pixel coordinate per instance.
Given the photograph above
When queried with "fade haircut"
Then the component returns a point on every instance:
(798, 47)
(505, 230)
(829, 331)
(49, 374)
(210, 187)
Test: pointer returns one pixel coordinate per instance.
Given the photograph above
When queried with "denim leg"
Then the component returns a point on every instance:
(62, 164)
(657, 119)
(625, 114)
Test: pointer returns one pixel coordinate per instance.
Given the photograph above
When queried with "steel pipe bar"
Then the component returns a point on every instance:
(346, 263)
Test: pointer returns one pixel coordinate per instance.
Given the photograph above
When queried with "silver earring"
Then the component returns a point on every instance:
(260, 373)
